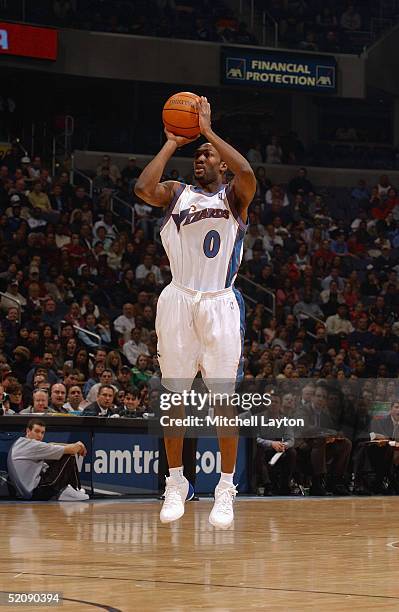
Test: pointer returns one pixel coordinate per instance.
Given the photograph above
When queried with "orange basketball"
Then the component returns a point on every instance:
(180, 115)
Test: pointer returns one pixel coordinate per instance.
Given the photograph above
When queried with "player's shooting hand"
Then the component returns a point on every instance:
(204, 112)
(179, 141)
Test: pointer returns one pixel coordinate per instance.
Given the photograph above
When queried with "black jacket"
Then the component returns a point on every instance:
(385, 427)
(95, 410)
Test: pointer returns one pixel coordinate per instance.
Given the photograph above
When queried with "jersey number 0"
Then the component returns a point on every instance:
(212, 244)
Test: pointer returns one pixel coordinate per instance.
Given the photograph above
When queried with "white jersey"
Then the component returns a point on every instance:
(203, 239)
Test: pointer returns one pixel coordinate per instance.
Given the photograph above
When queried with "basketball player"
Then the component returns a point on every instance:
(199, 319)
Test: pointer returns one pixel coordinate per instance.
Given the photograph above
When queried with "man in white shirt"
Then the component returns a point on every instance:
(42, 471)
(146, 267)
(135, 347)
(124, 324)
(36, 168)
(271, 239)
(110, 230)
(339, 323)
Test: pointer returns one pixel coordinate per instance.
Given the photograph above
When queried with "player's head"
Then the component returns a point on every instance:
(208, 166)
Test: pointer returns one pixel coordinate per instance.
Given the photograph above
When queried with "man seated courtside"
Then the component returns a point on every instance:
(41, 471)
(269, 441)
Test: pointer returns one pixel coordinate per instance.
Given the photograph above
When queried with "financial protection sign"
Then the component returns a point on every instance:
(278, 70)
(28, 41)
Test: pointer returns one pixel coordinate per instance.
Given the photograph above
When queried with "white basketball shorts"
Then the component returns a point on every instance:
(199, 331)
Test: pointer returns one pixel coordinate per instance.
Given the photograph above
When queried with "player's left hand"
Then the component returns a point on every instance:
(204, 112)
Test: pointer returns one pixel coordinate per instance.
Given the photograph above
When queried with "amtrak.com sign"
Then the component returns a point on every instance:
(279, 70)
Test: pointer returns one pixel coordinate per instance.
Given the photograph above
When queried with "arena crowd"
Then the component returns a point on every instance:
(80, 287)
(311, 25)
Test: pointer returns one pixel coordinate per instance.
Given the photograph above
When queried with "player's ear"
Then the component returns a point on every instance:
(223, 167)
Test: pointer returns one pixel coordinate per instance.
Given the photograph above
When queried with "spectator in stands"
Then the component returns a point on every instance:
(274, 151)
(300, 184)
(339, 324)
(131, 405)
(111, 169)
(76, 401)
(5, 408)
(130, 172)
(307, 308)
(15, 397)
(12, 293)
(47, 365)
(326, 19)
(309, 43)
(361, 191)
(383, 186)
(124, 324)
(123, 379)
(351, 19)
(111, 232)
(106, 378)
(41, 471)
(148, 267)
(104, 181)
(58, 398)
(134, 347)
(40, 403)
(104, 404)
(35, 167)
(254, 155)
(97, 370)
(113, 362)
(38, 198)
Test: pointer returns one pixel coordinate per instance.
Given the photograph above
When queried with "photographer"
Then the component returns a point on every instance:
(42, 471)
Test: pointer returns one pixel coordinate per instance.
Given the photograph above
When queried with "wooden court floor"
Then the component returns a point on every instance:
(296, 554)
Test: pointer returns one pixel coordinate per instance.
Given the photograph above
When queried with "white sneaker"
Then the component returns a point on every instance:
(71, 494)
(222, 514)
(175, 496)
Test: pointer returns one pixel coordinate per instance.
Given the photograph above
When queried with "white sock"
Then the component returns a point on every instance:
(176, 473)
(226, 479)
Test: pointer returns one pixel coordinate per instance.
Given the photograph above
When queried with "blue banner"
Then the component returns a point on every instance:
(128, 462)
(279, 70)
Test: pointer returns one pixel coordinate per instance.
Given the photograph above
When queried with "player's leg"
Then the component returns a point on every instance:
(174, 438)
(178, 350)
(222, 347)
(222, 514)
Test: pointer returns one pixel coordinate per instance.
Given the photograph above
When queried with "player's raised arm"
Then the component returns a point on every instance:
(148, 186)
(244, 182)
